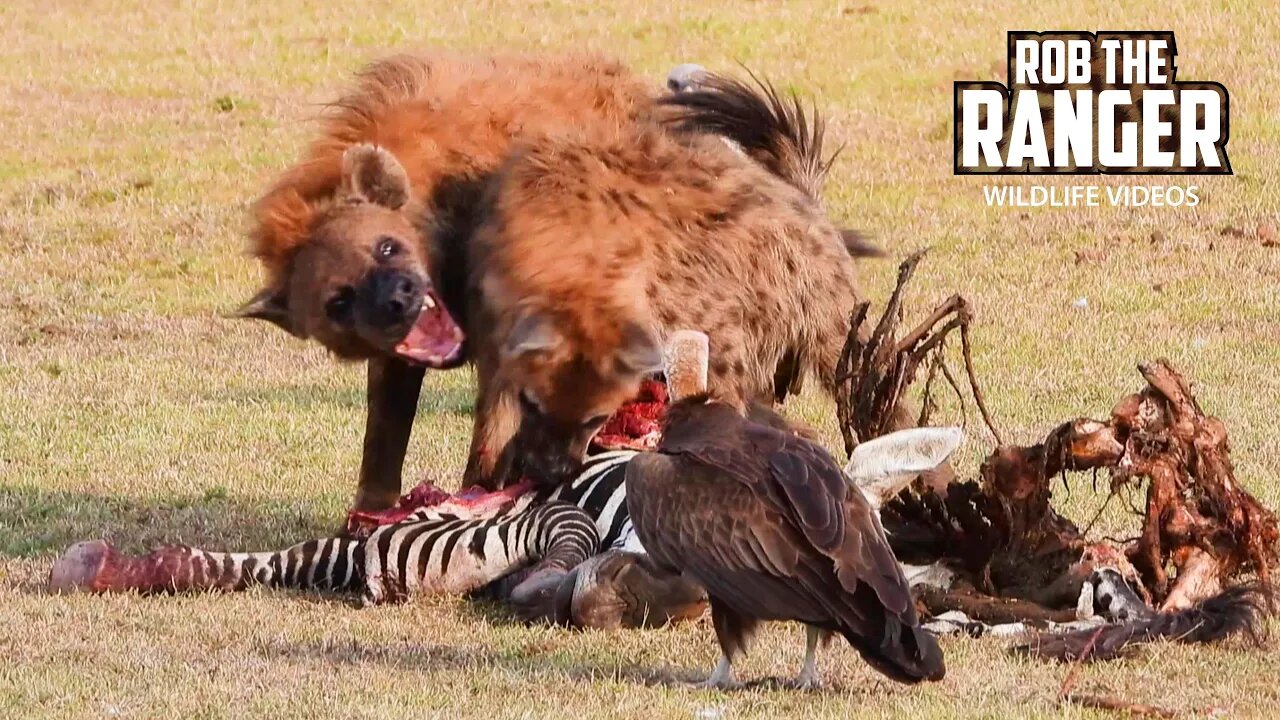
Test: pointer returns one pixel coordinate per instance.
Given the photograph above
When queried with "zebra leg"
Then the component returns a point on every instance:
(97, 567)
(458, 556)
(625, 589)
(567, 538)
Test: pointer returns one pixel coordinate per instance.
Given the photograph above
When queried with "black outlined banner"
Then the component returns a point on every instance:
(1080, 103)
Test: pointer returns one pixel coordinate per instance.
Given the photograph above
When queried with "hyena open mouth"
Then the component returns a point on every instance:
(434, 340)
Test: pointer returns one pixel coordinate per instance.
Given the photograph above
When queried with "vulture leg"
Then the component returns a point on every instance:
(808, 677)
(722, 677)
(732, 631)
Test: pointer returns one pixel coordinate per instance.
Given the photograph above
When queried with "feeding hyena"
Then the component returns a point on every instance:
(364, 241)
(593, 248)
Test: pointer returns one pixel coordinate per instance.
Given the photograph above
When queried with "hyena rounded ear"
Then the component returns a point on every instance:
(372, 174)
(271, 305)
(533, 332)
(640, 352)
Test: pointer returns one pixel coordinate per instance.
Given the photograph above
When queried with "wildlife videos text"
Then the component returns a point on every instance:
(1072, 196)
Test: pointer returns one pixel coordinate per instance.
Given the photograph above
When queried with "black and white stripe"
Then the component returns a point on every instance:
(433, 552)
(601, 491)
(447, 555)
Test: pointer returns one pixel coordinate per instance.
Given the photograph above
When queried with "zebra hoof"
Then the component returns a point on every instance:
(81, 567)
(535, 598)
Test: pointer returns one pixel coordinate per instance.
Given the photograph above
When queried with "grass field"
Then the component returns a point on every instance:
(132, 137)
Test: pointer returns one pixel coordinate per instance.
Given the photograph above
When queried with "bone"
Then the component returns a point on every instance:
(935, 575)
(684, 363)
(1084, 603)
(883, 466)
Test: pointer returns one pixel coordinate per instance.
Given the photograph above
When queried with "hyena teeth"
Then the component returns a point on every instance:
(428, 303)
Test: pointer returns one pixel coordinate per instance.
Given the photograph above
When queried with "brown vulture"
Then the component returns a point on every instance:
(768, 523)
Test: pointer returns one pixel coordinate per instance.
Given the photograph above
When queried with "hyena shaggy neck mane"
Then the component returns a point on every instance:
(599, 245)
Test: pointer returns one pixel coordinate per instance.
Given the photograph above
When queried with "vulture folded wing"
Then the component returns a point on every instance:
(780, 469)
(838, 521)
(745, 548)
(689, 518)
(800, 481)
(811, 491)
(766, 521)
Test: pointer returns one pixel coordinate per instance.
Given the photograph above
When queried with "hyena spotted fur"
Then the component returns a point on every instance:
(592, 249)
(372, 227)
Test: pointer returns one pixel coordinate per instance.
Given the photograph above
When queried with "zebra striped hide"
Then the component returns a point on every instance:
(428, 553)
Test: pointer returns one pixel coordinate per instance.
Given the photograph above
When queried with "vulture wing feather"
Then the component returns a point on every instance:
(767, 522)
(804, 487)
(690, 521)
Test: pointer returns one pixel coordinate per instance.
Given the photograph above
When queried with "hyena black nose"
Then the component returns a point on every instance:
(397, 296)
(402, 296)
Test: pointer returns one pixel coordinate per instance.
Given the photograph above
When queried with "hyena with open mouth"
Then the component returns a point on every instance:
(365, 241)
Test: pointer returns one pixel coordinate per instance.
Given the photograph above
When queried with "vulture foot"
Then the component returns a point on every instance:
(721, 678)
(804, 681)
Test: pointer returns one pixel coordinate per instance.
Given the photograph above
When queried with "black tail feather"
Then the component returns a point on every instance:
(776, 131)
(1234, 611)
(908, 653)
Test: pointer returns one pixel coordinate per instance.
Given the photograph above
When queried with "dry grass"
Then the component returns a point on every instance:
(134, 134)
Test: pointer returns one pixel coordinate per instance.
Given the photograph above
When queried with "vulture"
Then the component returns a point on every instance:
(771, 526)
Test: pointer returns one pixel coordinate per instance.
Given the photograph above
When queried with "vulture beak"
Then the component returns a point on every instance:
(687, 77)
(880, 468)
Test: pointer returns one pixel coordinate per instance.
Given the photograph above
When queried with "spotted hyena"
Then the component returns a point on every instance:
(366, 240)
(593, 248)
(363, 239)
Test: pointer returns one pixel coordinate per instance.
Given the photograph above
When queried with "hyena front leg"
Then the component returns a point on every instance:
(394, 387)
(496, 420)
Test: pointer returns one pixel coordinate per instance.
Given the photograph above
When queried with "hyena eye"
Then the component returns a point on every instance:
(338, 307)
(388, 247)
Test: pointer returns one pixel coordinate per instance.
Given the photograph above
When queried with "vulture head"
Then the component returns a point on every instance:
(684, 364)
